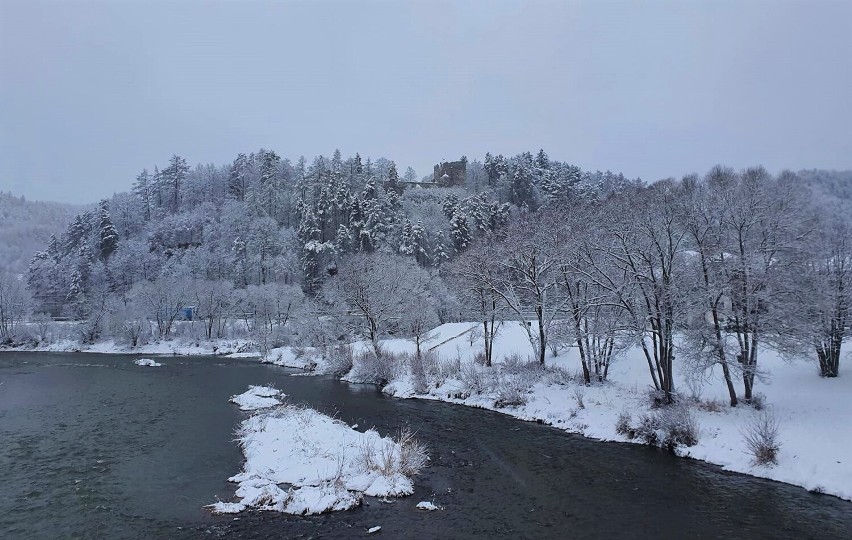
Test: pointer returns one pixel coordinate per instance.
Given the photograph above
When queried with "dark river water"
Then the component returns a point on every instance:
(93, 446)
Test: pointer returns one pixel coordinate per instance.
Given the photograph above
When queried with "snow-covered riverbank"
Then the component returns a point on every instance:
(325, 464)
(815, 433)
(236, 348)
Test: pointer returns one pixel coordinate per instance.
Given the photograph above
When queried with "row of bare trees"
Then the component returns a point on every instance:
(727, 263)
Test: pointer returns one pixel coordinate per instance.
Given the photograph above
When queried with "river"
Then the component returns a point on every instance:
(93, 446)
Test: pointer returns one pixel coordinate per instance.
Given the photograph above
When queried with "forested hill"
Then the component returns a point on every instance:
(25, 227)
(263, 220)
(832, 183)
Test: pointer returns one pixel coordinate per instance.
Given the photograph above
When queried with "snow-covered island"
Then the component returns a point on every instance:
(324, 464)
(147, 362)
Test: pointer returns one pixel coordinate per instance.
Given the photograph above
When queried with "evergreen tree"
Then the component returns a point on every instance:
(393, 184)
(238, 178)
(460, 232)
(142, 190)
(419, 244)
(108, 234)
(173, 177)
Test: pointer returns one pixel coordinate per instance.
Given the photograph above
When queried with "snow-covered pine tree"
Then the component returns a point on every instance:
(460, 232)
(142, 190)
(108, 234)
(238, 178)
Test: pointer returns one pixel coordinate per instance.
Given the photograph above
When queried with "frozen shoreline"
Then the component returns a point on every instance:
(815, 432)
(232, 348)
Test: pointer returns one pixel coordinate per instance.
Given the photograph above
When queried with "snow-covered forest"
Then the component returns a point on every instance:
(697, 280)
(25, 227)
(282, 252)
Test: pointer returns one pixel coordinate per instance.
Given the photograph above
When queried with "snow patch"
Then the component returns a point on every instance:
(147, 362)
(299, 461)
(258, 397)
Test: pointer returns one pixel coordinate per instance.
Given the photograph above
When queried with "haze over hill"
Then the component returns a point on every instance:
(26, 226)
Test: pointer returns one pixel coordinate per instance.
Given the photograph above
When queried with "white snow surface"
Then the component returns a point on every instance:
(147, 362)
(235, 348)
(428, 506)
(321, 463)
(258, 397)
(813, 412)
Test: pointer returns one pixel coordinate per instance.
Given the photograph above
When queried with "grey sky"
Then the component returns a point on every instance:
(92, 92)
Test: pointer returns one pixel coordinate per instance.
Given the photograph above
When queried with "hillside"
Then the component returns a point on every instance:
(26, 226)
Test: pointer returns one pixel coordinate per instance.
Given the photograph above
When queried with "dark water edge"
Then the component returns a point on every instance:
(93, 446)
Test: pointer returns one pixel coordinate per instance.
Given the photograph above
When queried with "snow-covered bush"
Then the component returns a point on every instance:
(442, 369)
(622, 425)
(474, 380)
(560, 375)
(579, 394)
(511, 391)
(679, 427)
(408, 456)
(670, 427)
(423, 368)
(758, 401)
(371, 368)
(339, 359)
(761, 439)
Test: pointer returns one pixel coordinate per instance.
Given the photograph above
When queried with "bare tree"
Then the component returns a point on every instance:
(473, 275)
(762, 230)
(14, 303)
(527, 276)
(823, 291)
(642, 267)
(378, 289)
(163, 298)
(596, 318)
(700, 214)
(212, 301)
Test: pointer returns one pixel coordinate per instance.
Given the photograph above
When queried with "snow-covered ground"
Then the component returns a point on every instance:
(815, 430)
(324, 464)
(235, 348)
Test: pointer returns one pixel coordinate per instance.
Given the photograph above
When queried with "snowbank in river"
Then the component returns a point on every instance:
(815, 431)
(324, 464)
(147, 362)
(258, 397)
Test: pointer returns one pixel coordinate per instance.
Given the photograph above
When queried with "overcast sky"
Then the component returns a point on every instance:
(92, 92)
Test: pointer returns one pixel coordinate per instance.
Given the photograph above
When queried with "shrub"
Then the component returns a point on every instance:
(679, 427)
(560, 375)
(479, 358)
(339, 359)
(761, 438)
(579, 393)
(474, 380)
(622, 425)
(442, 369)
(408, 456)
(648, 429)
(511, 391)
(422, 367)
(757, 402)
(371, 368)
(513, 363)
(711, 405)
(669, 428)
